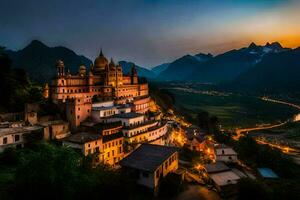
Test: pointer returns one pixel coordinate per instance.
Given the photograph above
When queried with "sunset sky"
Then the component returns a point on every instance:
(149, 32)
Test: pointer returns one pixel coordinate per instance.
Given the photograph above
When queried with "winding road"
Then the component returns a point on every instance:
(240, 131)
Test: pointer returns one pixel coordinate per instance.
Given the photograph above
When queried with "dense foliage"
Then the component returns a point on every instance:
(15, 86)
(257, 155)
(46, 171)
(162, 97)
(170, 186)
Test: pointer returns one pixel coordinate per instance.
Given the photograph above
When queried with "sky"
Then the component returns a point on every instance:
(149, 32)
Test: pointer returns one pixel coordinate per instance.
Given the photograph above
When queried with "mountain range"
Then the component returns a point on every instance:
(221, 68)
(277, 72)
(39, 61)
(255, 67)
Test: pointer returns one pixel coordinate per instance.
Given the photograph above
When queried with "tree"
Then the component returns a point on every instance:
(251, 189)
(54, 172)
(170, 185)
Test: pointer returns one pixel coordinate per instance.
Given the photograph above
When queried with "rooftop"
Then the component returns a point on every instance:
(104, 108)
(82, 137)
(107, 126)
(107, 138)
(16, 130)
(54, 122)
(225, 178)
(216, 167)
(128, 115)
(145, 123)
(267, 173)
(148, 157)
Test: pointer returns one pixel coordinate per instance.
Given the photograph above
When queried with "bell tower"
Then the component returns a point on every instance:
(60, 68)
(134, 77)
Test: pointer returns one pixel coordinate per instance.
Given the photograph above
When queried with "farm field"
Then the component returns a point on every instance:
(233, 110)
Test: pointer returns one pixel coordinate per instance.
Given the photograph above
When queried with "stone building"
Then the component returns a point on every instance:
(149, 163)
(104, 81)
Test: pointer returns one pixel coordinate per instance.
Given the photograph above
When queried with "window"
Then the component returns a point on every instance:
(17, 138)
(89, 151)
(108, 154)
(97, 150)
(77, 116)
(113, 152)
(5, 140)
(120, 149)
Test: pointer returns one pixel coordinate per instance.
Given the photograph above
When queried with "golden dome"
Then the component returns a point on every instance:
(100, 62)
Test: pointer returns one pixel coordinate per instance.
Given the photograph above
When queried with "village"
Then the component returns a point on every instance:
(110, 117)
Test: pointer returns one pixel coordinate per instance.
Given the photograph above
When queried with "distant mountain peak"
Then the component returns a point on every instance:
(252, 45)
(276, 45)
(204, 55)
(36, 43)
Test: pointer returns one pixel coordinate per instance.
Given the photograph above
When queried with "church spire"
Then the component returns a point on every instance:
(101, 53)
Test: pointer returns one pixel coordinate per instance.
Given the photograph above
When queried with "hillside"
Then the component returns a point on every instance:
(142, 72)
(38, 60)
(160, 68)
(276, 72)
(180, 69)
(224, 67)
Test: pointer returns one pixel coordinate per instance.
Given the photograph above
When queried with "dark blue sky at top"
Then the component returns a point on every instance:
(147, 32)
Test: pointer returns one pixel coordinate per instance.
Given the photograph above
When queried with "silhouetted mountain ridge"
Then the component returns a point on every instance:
(224, 67)
(39, 60)
(142, 72)
(275, 72)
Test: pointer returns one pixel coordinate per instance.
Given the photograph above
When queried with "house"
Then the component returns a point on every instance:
(103, 110)
(194, 143)
(56, 129)
(87, 143)
(223, 177)
(107, 148)
(127, 119)
(113, 148)
(149, 163)
(16, 136)
(224, 153)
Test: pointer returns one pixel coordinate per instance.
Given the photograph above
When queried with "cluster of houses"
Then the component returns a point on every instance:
(222, 156)
(114, 135)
